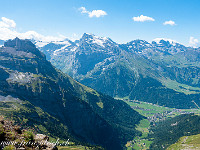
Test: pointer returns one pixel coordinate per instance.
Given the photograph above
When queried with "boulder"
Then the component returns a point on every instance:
(41, 137)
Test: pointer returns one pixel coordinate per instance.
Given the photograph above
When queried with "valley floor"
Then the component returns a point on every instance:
(154, 114)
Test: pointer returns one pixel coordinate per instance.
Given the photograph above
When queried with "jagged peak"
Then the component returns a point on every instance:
(93, 36)
(86, 36)
(94, 39)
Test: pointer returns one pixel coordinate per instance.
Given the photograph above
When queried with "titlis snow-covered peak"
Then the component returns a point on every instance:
(164, 42)
(156, 42)
(93, 39)
(158, 46)
(168, 45)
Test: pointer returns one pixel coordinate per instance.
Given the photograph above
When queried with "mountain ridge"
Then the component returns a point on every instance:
(163, 62)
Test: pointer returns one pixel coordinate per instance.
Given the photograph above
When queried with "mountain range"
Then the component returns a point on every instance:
(34, 93)
(162, 72)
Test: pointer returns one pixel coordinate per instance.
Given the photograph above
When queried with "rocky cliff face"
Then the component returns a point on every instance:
(89, 116)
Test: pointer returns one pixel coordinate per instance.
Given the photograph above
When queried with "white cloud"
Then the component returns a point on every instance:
(8, 31)
(7, 23)
(143, 18)
(83, 10)
(93, 13)
(97, 13)
(194, 42)
(170, 22)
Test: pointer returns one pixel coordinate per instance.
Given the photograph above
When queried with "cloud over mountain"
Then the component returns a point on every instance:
(194, 42)
(7, 23)
(8, 31)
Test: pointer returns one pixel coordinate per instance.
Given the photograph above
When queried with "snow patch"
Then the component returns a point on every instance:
(64, 48)
(60, 50)
(61, 42)
(99, 40)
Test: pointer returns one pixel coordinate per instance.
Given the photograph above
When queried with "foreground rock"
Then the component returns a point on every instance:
(13, 137)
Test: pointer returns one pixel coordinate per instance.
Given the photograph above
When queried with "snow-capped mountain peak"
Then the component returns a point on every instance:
(168, 45)
(93, 39)
(161, 41)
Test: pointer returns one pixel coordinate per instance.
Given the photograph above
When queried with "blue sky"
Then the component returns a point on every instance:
(64, 17)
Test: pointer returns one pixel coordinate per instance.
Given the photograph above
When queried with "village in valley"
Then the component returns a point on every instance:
(154, 114)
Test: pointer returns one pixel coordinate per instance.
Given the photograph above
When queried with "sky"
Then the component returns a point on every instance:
(120, 20)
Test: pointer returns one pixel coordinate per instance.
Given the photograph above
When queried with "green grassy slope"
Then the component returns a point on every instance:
(187, 143)
(169, 131)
